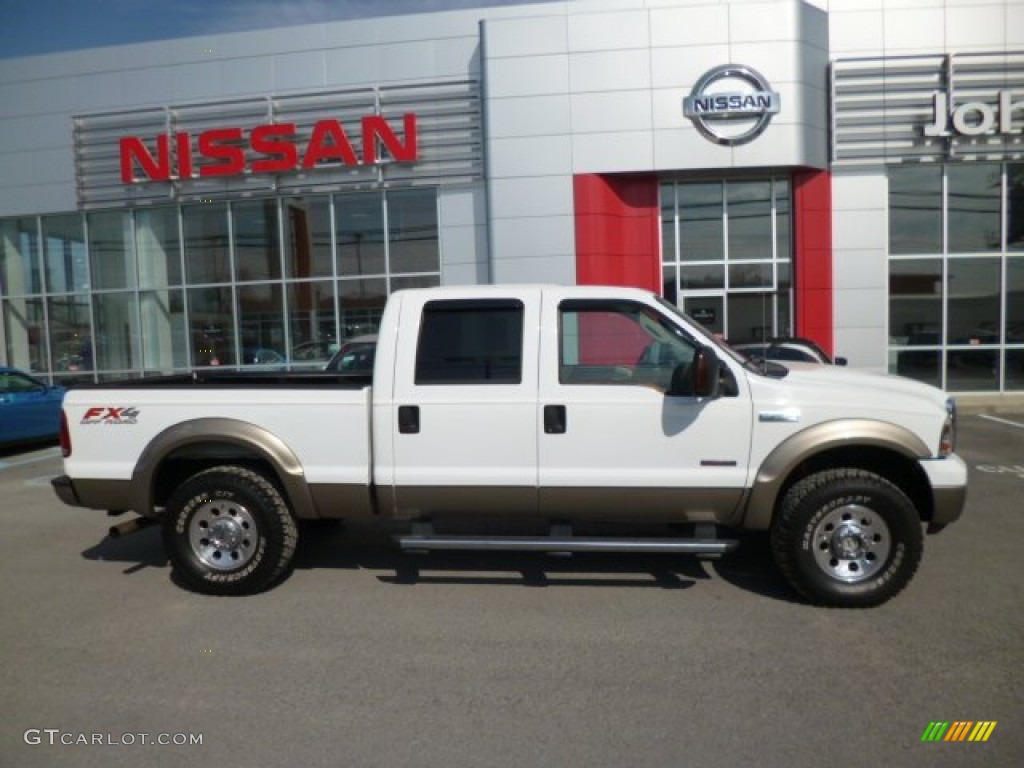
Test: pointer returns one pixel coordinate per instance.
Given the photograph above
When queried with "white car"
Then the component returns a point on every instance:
(788, 350)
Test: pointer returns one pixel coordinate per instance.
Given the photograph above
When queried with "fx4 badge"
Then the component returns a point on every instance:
(111, 415)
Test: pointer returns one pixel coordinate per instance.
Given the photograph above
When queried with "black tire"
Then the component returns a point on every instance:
(847, 538)
(228, 531)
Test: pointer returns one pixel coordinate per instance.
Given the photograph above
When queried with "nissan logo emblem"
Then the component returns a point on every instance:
(731, 104)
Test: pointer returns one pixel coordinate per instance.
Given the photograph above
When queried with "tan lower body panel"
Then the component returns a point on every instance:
(628, 505)
(336, 502)
(112, 495)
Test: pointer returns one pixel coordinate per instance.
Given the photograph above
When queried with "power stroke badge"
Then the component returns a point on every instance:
(731, 104)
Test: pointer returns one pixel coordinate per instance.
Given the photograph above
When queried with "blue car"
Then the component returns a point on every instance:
(29, 408)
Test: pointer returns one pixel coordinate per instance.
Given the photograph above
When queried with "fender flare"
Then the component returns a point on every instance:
(842, 433)
(236, 432)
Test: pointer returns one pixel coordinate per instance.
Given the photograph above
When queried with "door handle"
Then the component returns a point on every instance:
(409, 419)
(554, 419)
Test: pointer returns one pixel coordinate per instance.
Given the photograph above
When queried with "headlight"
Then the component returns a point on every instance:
(947, 441)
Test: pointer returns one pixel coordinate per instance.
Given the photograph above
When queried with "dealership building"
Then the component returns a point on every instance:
(851, 171)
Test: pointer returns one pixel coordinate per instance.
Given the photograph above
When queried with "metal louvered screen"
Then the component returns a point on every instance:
(450, 143)
(883, 109)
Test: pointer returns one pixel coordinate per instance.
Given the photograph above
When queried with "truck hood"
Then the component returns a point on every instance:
(865, 383)
(812, 394)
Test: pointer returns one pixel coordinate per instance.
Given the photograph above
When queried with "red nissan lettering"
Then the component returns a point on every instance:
(215, 145)
(271, 140)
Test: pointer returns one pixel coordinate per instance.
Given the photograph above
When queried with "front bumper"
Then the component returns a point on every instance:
(948, 479)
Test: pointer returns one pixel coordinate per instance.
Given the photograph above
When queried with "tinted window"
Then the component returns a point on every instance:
(471, 342)
(790, 354)
(915, 210)
(618, 343)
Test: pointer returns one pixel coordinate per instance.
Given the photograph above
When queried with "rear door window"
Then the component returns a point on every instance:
(470, 342)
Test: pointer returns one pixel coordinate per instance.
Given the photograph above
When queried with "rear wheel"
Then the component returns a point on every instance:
(847, 538)
(228, 531)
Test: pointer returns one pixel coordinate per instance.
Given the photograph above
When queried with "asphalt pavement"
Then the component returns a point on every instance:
(368, 657)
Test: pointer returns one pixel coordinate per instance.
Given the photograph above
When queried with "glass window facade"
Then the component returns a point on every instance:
(956, 275)
(726, 254)
(272, 283)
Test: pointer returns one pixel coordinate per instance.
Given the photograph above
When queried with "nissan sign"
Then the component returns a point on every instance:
(731, 104)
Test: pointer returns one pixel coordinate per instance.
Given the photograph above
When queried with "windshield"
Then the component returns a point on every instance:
(712, 339)
(759, 366)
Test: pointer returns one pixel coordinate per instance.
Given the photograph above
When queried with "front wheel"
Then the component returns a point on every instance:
(847, 538)
(228, 531)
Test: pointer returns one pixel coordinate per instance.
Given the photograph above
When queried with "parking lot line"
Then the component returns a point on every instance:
(1002, 421)
(50, 454)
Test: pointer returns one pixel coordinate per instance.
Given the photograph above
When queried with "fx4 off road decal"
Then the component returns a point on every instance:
(111, 415)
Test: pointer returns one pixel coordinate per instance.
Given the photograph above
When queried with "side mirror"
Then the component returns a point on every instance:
(698, 378)
(839, 360)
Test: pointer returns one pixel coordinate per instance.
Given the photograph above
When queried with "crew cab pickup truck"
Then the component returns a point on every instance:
(555, 419)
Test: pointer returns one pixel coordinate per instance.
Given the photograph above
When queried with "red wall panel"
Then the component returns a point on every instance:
(617, 227)
(812, 268)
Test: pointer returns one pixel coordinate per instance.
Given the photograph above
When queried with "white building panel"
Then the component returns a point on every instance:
(763, 22)
(611, 111)
(684, 147)
(350, 66)
(1014, 26)
(862, 349)
(534, 156)
(860, 268)
(619, 152)
(860, 230)
(297, 71)
(403, 62)
(535, 236)
(462, 206)
(913, 30)
(858, 192)
(856, 32)
(192, 82)
(535, 76)
(695, 25)
(525, 37)
(980, 27)
(557, 268)
(780, 144)
(529, 116)
(609, 71)
(532, 196)
(239, 76)
(457, 57)
(608, 31)
(681, 67)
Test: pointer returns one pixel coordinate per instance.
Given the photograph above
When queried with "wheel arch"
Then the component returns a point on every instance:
(191, 446)
(887, 449)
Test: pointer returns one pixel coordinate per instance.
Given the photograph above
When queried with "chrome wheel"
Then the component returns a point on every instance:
(223, 535)
(851, 543)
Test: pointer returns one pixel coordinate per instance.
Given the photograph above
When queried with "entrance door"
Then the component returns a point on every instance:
(708, 310)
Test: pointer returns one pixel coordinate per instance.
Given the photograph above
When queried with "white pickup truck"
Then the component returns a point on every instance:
(556, 419)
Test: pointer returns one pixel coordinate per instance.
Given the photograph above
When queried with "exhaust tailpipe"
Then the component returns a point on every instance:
(129, 526)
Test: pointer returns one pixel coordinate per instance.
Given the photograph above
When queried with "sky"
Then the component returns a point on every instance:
(29, 27)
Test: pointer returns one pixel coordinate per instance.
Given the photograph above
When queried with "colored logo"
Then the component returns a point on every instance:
(959, 730)
(110, 415)
(731, 104)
